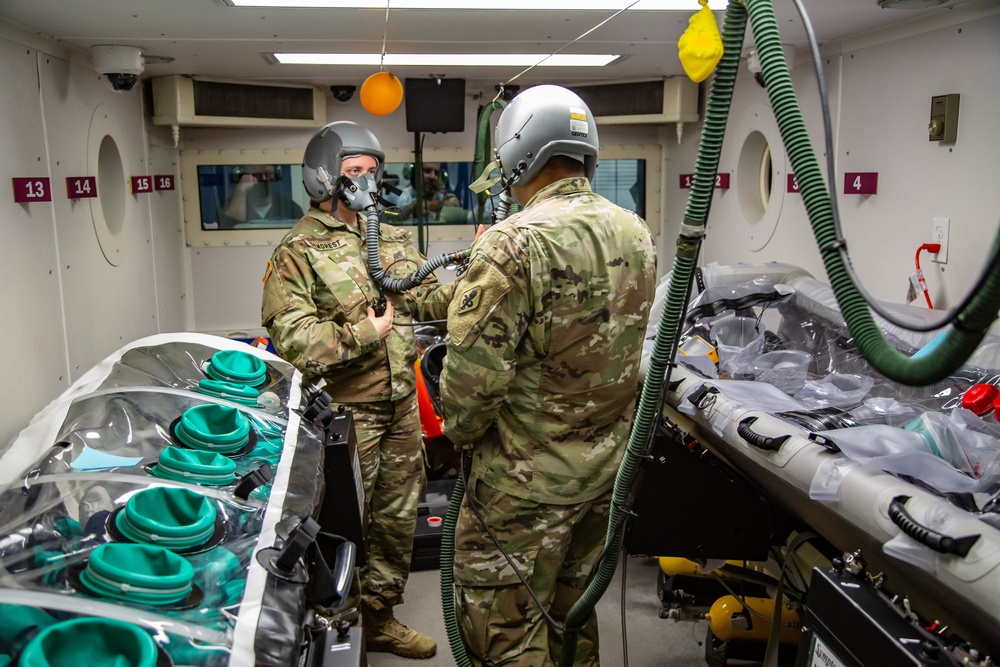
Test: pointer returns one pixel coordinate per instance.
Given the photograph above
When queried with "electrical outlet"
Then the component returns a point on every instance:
(939, 234)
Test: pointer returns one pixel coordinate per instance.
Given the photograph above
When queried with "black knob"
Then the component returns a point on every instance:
(838, 565)
(343, 629)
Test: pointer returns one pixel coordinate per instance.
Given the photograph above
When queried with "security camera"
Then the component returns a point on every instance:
(120, 65)
(343, 93)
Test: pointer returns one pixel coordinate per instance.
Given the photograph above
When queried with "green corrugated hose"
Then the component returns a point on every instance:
(688, 244)
(949, 351)
(448, 576)
(483, 150)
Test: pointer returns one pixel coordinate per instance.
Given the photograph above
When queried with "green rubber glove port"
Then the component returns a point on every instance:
(90, 641)
(138, 573)
(173, 518)
(214, 428)
(195, 466)
(237, 367)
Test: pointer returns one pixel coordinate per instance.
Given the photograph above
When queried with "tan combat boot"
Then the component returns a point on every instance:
(394, 637)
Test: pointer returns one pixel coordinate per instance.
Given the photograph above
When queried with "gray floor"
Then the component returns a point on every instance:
(653, 642)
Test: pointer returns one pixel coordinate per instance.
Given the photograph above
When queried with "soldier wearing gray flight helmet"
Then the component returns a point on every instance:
(539, 382)
(322, 309)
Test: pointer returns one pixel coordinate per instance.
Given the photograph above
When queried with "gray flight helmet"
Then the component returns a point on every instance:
(326, 150)
(539, 123)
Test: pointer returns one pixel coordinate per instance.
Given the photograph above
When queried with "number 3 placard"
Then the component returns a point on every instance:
(27, 190)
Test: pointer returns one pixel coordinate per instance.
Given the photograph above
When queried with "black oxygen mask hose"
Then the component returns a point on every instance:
(361, 194)
(415, 278)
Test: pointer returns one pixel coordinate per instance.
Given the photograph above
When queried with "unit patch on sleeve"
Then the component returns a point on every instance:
(270, 268)
(469, 300)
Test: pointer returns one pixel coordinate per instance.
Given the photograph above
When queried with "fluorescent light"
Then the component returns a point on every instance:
(451, 59)
(504, 5)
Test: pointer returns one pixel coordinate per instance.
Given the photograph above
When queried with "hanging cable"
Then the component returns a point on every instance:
(385, 36)
(560, 49)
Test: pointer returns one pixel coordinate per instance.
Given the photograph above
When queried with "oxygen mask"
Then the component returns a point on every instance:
(360, 193)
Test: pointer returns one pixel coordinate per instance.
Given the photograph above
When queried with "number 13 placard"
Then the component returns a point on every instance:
(27, 190)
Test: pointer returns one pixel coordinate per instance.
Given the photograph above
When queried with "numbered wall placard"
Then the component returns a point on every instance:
(164, 181)
(793, 184)
(141, 184)
(861, 183)
(27, 190)
(721, 181)
(81, 187)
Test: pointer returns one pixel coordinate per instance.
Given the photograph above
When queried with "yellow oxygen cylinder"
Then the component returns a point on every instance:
(672, 566)
(720, 619)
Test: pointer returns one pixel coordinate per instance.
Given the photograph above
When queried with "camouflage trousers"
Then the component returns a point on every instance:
(390, 453)
(555, 548)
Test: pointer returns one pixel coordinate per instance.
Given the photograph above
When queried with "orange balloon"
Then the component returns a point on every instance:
(381, 93)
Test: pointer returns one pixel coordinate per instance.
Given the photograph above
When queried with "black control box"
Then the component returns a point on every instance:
(431, 513)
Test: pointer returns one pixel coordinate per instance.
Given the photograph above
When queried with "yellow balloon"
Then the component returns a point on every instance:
(700, 47)
(381, 93)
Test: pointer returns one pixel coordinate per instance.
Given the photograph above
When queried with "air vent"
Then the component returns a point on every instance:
(194, 101)
(670, 100)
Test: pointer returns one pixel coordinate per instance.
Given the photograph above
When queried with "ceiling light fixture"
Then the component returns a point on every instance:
(909, 4)
(446, 59)
(520, 5)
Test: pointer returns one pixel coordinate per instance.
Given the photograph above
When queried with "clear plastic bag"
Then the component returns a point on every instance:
(738, 341)
(838, 390)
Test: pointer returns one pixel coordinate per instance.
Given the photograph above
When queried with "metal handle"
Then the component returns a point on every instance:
(939, 542)
(756, 439)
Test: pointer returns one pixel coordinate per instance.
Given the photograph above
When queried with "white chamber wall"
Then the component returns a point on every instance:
(880, 97)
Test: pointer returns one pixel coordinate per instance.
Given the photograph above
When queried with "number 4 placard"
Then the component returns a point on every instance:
(27, 190)
(861, 183)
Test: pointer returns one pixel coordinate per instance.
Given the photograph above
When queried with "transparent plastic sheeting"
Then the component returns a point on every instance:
(89, 456)
(110, 427)
(918, 433)
(53, 524)
(167, 361)
(23, 613)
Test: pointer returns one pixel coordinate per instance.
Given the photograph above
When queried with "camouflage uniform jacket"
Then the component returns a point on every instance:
(544, 337)
(316, 293)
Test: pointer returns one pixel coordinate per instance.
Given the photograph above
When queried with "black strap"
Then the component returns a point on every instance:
(252, 480)
(296, 545)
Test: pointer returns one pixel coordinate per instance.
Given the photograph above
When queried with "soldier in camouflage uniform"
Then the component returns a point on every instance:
(540, 380)
(318, 308)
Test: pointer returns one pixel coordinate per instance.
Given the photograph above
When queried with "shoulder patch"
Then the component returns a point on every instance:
(469, 300)
(267, 274)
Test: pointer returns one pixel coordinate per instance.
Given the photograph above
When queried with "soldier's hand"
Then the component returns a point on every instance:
(383, 323)
(479, 232)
